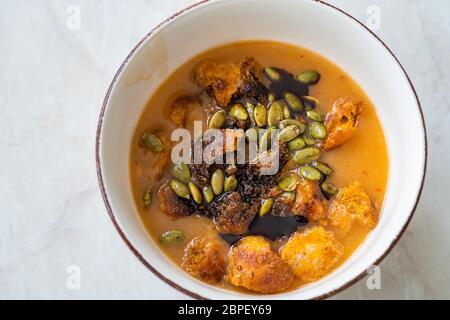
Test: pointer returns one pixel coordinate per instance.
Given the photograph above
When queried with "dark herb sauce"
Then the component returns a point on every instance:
(287, 83)
(270, 226)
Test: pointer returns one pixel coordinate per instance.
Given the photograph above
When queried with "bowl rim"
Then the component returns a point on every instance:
(105, 195)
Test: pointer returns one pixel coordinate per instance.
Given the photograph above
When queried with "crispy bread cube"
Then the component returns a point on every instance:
(341, 122)
(232, 215)
(309, 200)
(171, 204)
(223, 80)
(312, 253)
(179, 109)
(220, 79)
(253, 265)
(203, 259)
(352, 204)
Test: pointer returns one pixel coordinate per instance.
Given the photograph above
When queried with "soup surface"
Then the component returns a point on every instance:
(334, 226)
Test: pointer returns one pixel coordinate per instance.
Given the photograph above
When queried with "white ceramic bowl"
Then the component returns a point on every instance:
(311, 24)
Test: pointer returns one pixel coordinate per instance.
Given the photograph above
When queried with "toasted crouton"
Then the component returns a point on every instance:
(312, 253)
(223, 80)
(204, 260)
(253, 265)
(352, 204)
(309, 201)
(341, 122)
(220, 79)
(179, 109)
(171, 204)
(231, 214)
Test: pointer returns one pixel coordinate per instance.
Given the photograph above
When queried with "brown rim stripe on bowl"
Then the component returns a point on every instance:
(137, 253)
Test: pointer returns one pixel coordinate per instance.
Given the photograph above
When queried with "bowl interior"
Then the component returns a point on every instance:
(309, 24)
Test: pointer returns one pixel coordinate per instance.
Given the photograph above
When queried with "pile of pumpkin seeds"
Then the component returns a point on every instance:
(300, 126)
(185, 188)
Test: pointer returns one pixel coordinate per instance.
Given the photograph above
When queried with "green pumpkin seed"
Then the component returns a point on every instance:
(181, 172)
(271, 97)
(230, 183)
(322, 167)
(328, 188)
(307, 155)
(288, 183)
(310, 101)
(217, 181)
(172, 237)
(217, 120)
(250, 111)
(208, 194)
(286, 112)
(317, 130)
(195, 193)
(179, 188)
(293, 101)
(147, 199)
(315, 116)
(266, 140)
(152, 142)
(289, 133)
(238, 111)
(231, 170)
(290, 196)
(289, 122)
(310, 173)
(309, 77)
(296, 144)
(260, 115)
(266, 206)
(252, 134)
(271, 73)
(275, 114)
(309, 141)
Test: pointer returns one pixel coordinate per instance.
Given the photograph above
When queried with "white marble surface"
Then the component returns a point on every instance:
(52, 83)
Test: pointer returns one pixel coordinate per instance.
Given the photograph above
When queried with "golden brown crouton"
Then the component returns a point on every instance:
(223, 80)
(309, 201)
(352, 204)
(204, 260)
(220, 79)
(179, 109)
(253, 265)
(232, 215)
(282, 201)
(312, 253)
(171, 204)
(251, 75)
(341, 122)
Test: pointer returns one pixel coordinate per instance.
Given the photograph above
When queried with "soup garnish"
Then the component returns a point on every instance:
(288, 209)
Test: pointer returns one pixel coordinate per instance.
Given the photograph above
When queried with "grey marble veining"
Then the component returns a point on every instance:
(53, 80)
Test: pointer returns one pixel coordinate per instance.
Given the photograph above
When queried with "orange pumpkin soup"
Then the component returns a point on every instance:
(227, 224)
